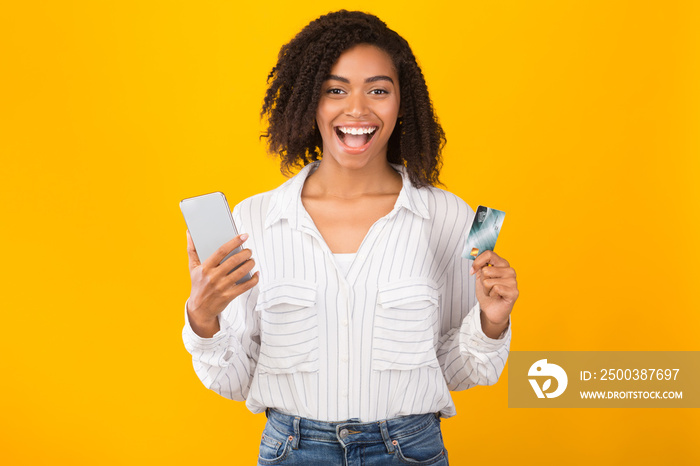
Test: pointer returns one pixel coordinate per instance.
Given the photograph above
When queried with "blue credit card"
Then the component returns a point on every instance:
(484, 231)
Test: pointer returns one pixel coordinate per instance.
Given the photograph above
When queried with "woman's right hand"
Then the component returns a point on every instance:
(213, 288)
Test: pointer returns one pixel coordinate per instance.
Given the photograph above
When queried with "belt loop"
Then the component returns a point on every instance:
(385, 436)
(297, 433)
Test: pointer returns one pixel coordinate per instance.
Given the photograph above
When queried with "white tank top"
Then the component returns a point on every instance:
(344, 261)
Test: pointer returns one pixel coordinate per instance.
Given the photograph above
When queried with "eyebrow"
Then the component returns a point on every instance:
(368, 80)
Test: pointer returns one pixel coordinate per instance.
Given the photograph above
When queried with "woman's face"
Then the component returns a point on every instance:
(358, 108)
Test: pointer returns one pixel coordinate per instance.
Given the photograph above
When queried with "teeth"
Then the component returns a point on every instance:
(355, 131)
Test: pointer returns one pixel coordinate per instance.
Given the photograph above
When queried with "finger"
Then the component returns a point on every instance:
(497, 272)
(233, 290)
(239, 259)
(215, 259)
(489, 283)
(192, 256)
(486, 258)
(504, 291)
(243, 287)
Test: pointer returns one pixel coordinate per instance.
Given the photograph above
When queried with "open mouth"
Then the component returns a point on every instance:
(355, 137)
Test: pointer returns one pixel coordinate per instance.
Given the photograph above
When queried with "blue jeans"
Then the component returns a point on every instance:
(290, 440)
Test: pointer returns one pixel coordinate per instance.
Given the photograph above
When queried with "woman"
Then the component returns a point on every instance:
(364, 315)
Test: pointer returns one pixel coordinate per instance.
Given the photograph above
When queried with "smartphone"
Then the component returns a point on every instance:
(209, 220)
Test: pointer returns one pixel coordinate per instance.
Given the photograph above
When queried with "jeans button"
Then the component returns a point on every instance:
(344, 433)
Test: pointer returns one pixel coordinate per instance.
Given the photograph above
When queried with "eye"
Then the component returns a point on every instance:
(334, 91)
(378, 91)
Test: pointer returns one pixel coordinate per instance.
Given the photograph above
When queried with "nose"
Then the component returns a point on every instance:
(356, 105)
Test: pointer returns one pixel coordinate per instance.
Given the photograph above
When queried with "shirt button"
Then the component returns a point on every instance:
(362, 257)
(344, 433)
(345, 323)
(344, 393)
(344, 358)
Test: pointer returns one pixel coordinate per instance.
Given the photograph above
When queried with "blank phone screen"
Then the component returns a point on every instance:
(210, 223)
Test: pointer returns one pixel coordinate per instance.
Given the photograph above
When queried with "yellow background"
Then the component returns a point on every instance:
(580, 119)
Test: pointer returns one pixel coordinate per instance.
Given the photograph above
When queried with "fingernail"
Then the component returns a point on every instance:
(244, 236)
(471, 271)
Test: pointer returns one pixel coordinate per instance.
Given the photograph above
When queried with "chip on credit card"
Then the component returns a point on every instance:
(484, 231)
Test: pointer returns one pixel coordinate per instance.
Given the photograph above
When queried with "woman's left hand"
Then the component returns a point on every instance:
(496, 290)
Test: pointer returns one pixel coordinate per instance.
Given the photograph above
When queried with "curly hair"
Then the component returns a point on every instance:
(304, 64)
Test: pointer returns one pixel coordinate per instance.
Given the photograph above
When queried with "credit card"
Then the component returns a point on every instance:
(484, 231)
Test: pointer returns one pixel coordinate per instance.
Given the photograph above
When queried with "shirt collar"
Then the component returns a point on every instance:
(286, 200)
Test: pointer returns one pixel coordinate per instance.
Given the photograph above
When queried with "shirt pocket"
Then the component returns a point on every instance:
(289, 327)
(404, 325)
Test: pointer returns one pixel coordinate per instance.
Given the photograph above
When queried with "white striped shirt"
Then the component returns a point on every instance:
(388, 338)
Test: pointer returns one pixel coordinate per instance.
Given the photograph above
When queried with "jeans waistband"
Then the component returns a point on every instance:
(350, 431)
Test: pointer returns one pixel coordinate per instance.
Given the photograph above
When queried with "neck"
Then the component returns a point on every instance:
(332, 179)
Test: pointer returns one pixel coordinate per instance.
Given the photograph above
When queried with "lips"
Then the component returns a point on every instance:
(356, 138)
